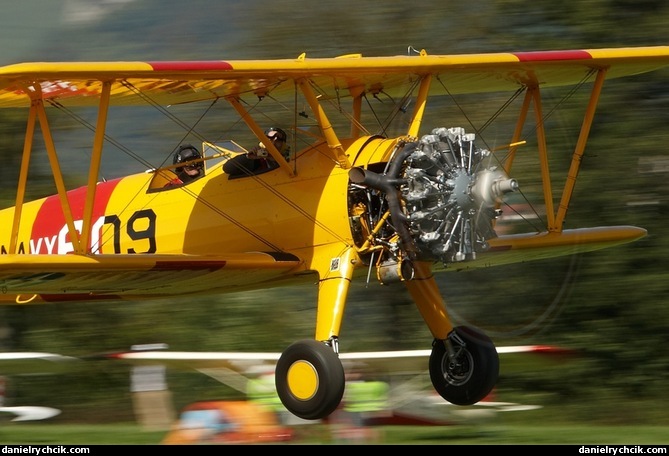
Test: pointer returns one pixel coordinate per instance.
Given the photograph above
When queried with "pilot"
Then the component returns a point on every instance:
(258, 160)
(189, 172)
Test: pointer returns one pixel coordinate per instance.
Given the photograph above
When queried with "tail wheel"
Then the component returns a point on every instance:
(310, 379)
(471, 372)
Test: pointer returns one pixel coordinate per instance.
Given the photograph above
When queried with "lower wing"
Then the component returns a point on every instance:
(54, 278)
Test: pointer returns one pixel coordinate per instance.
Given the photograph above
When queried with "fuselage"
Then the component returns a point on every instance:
(214, 215)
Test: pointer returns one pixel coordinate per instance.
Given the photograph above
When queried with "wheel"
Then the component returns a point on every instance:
(472, 373)
(310, 379)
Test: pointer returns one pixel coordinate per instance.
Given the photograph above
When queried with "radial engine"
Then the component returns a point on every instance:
(435, 200)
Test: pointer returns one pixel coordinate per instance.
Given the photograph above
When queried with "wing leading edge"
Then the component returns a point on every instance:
(81, 83)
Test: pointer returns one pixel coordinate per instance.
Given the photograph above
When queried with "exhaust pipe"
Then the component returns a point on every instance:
(388, 183)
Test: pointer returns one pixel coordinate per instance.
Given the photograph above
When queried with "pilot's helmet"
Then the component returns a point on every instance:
(188, 152)
(280, 139)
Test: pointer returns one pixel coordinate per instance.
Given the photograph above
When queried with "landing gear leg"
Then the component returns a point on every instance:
(309, 375)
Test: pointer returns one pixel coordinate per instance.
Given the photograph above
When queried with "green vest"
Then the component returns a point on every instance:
(366, 396)
(263, 391)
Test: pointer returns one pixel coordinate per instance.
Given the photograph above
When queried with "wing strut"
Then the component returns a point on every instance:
(244, 114)
(543, 157)
(326, 126)
(53, 160)
(555, 220)
(580, 148)
(94, 169)
(421, 101)
(23, 177)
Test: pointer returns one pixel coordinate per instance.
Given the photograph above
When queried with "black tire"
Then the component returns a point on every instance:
(472, 374)
(310, 379)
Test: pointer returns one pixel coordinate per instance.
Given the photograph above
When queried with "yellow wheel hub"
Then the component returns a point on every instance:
(302, 379)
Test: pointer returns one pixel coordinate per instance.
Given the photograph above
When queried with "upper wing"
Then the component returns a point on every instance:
(81, 83)
(117, 276)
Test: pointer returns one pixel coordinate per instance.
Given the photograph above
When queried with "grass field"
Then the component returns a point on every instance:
(130, 434)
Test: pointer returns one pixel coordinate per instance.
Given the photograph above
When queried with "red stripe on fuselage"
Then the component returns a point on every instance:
(50, 230)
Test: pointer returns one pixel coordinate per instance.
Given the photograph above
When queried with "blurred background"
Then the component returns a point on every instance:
(612, 306)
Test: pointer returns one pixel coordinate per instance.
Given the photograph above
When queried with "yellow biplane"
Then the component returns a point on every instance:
(347, 203)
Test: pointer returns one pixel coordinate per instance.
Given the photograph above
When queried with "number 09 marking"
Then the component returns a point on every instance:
(145, 218)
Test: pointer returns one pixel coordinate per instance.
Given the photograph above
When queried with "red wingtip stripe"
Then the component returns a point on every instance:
(551, 350)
